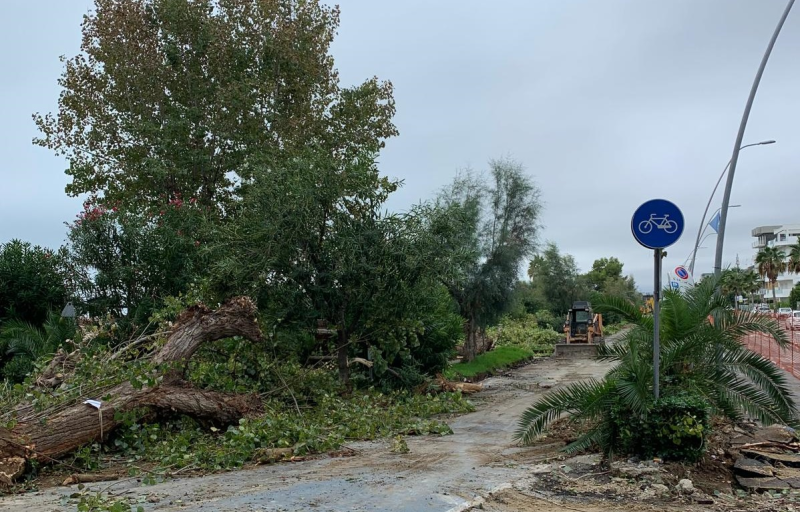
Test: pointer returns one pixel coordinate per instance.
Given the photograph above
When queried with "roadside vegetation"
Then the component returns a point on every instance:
(210, 177)
(705, 372)
(490, 362)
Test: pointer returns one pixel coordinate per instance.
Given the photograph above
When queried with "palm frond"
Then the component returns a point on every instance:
(23, 338)
(737, 325)
(741, 394)
(766, 376)
(623, 307)
(582, 399)
(593, 437)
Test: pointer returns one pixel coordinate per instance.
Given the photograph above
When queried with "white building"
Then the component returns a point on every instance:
(783, 237)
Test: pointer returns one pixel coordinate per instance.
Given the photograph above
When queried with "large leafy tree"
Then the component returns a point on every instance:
(186, 98)
(771, 263)
(33, 281)
(191, 102)
(125, 263)
(481, 233)
(606, 278)
(603, 270)
(701, 354)
(309, 242)
(555, 277)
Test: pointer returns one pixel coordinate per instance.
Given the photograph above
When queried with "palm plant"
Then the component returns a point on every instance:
(736, 281)
(701, 355)
(751, 282)
(793, 265)
(23, 343)
(771, 262)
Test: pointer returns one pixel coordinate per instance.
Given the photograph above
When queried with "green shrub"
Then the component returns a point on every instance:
(547, 320)
(525, 333)
(608, 330)
(488, 362)
(32, 281)
(675, 428)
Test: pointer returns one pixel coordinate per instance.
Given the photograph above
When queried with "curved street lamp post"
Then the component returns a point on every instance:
(703, 225)
(739, 136)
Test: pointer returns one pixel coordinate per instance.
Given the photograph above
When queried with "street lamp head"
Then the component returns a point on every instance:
(764, 143)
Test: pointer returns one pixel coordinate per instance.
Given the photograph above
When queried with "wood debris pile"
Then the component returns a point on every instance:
(768, 459)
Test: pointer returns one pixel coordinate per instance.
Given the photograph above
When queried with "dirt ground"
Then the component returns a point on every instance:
(479, 467)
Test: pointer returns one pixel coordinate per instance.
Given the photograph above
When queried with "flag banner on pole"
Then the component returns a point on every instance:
(714, 223)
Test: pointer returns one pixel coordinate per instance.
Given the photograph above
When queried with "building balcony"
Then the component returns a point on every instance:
(785, 242)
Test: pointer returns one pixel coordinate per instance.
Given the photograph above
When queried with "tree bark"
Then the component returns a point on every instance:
(70, 428)
(470, 341)
(341, 357)
(774, 299)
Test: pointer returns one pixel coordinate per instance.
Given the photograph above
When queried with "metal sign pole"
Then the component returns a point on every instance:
(656, 321)
(657, 224)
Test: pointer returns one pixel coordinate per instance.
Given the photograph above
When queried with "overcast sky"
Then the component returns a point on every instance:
(607, 103)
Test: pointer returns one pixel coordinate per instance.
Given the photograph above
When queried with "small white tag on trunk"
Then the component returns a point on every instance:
(94, 403)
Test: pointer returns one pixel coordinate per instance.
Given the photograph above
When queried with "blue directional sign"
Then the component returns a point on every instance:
(656, 224)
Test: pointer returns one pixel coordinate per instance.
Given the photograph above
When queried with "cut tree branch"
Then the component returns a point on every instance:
(72, 427)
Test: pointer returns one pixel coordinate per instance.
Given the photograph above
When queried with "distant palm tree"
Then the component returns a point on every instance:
(794, 258)
(771, 263)
(699, 355)
(750, 282)
(736, 281)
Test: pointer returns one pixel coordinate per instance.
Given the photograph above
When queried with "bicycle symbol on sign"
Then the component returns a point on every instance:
(646, 226)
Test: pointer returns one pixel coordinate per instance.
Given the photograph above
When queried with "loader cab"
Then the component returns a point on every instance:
(582, 328)
(580, 316)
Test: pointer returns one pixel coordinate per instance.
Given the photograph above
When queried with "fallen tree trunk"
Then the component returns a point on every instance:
(77, 425)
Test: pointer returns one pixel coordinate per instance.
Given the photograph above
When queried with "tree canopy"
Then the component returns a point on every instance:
(33, 280)
(188, 99)
(482, 230)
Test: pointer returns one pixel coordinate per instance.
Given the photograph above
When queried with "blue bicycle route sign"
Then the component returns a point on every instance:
(657, 223)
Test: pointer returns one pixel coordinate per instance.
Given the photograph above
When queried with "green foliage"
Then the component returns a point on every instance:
(215, 88)
(675, 428)
(603, 270)
(489, 362)
(328, 255)
(22, 343)
(611, 329)
(305, 409)
(32, 282)
(794, 297)
(793, 265)
(699, 358)
(556, 280)
(525, 333)
(86, 501)
(480, 233)
(129, 262)
(432, 347)
(736, 281)
(770, 262)
(547, 320)
(332, 421)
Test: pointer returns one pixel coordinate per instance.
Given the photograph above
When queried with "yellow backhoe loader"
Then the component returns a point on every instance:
(583, 331)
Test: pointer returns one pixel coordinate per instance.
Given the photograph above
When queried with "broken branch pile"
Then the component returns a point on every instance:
(45, 437)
